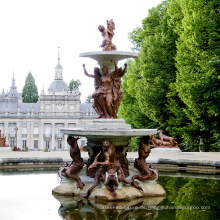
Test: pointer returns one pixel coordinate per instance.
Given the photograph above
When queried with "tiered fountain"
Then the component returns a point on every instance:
(107, 174)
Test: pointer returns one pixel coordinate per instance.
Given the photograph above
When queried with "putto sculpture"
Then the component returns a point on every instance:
(107, 35)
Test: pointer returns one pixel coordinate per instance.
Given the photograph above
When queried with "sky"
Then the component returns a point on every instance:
(32, 30)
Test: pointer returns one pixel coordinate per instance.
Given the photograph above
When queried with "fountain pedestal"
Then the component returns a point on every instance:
(118, 133)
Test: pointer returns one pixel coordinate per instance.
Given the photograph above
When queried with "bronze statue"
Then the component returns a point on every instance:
(76, 166)
(97, 82)
(167, 138)
(110, 166)
(147, 172)
(107, 36)
(122, 158)
(159, 143)
(3, 140)
(108, 91)
(117, 89)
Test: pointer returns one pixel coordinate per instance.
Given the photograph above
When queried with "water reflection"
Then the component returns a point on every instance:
(73, 208)
(192, 198)
(27, 192)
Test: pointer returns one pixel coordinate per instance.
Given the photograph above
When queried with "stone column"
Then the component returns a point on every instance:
(29, 135)
(53, 133)
(6, 132)
(32, 136)
(41, 136)
(19, 135)
(66, 145)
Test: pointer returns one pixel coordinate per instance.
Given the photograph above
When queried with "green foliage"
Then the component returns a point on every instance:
(26, 148)
(193, 198)
(89, 99)
(134, 143)
(129, 108)
(30, 92)
(75, 84)
(174, 83)
(197, 61)
(46, 149)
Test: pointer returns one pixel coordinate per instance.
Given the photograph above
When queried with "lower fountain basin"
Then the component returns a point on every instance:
(114, 130)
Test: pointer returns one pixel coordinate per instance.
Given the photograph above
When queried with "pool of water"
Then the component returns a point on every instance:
(27, 194)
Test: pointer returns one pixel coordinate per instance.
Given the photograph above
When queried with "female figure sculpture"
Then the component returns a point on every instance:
(97, 82)
(117, 89)
(103, 94)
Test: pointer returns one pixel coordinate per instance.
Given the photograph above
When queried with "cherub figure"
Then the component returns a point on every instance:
(110, 166)
(107, 36)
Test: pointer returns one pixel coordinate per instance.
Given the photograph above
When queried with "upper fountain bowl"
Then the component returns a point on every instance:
(104, 57)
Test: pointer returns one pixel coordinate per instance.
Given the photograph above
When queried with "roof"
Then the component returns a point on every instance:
(86, 107)
(58, 84)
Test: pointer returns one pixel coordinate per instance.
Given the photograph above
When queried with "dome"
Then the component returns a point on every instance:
(58, 85)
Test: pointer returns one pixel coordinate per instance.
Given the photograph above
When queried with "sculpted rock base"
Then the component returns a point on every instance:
(125, 192)
(150, 189)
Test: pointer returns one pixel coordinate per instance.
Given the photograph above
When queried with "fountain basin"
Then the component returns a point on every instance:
(114, 130)
(104, 57)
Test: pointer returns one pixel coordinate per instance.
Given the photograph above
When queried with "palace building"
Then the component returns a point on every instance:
(37, 125)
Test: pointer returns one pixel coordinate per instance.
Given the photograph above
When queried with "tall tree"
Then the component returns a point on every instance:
(89, 99)
(75, 84)
(175, 80)
(198, 54)
(149, 77)
(29, 91)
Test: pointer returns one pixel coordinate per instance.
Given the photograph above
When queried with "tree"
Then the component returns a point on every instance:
(29, 91)
(75, 84)
(197, 61)
(175, 80)
(89, 99)
(149, 77)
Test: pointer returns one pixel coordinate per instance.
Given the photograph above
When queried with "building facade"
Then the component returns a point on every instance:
(37, 125)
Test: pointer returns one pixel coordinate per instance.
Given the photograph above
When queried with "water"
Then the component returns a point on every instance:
(26, 194)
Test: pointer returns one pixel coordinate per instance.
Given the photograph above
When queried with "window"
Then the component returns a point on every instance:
(36, 130)
(12, 130)
(35, 144)
(24, 132)
(24, 143)
(47, 129)
(47, 142)
(59, 144)
(12, 143)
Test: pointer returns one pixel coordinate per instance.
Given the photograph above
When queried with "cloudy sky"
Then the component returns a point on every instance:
(32, 30)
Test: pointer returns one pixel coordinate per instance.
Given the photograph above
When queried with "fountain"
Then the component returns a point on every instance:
(107, 175)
